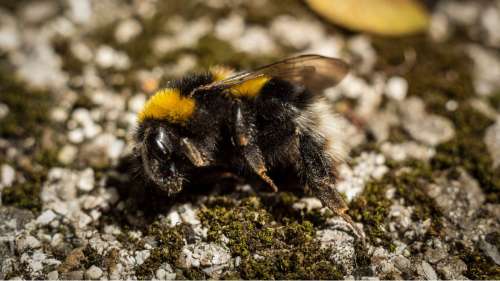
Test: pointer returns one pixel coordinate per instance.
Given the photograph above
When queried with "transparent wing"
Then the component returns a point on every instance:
(314, 72)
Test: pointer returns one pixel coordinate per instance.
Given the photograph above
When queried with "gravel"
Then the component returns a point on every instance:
(74, 207)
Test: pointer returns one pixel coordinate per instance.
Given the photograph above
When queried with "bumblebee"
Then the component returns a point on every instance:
(248, 123)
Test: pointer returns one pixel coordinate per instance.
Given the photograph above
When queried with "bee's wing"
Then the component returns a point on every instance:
(314, 72)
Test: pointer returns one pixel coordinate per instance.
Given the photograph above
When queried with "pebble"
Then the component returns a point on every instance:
(53, 275)
(452, 268)
(486, 69)
(46, 217)
(76, 136)
(463, 13)
(93, 273)
(458, 199)
(368, 166)
(141, 256)
(105, 56)
(439, 29)
(361, 47)
(204, 255)
(429, 129)
(229, 28)
(25, 242)
(8, 175)
(4, 110)
(42, 67)
(342, 245)
(308, 203)
(136, 103)
(165, 272)
(188, 214)
(67, 154)
(9, 36)
(490, 20)
(74, 275)
(396, 88)
(38, 11)
(405, 150)
(429, 272)
(255, 40)
(306, 32)
(127, 30)
(80, 10)
(491, 250)
(86, 180)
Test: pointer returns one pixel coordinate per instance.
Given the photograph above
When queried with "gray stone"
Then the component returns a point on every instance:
(73, 275)
(458, 199)
(127, 30)
(338, 237)
(9, 34)
(427, 128)
(491, 251)
(165, 272)
(38, 11)
(204, 255)
(93, 273)
(46, 217)
(42, 67)
(8, 175)
(86, 180)
(452, 268)
(53, 275)
(429, 272)
(24, 242)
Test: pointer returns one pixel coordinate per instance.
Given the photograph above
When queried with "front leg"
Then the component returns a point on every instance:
(320, 175)
(245, 139)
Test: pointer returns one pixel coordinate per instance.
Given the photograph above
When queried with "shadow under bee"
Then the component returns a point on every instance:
(141, 201)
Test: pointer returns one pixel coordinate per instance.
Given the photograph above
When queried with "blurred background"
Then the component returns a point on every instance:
(421, 106)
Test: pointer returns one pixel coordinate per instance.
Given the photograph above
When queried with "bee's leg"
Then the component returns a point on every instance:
(245, 138)
(320, 176)
(198, 157)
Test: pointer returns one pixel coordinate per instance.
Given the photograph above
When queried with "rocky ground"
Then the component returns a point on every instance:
(422, 180)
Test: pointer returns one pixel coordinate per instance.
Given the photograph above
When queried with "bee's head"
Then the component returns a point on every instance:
(157, 147)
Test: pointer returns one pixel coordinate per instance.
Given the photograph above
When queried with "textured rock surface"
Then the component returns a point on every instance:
(421, 115)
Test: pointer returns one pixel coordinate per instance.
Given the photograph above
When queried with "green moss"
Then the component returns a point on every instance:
(284, 245)
(447, 62)
(494, 100)
(28, 109)
(371, 208)
(450, 80)
(467, 150)
(25, 195)
(398, 135)
(409, 179)
(170, 243)
(92, 257)
(480, 266)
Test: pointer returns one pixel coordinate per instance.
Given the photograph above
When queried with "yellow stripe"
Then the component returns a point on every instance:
(220, 72)
(168, 104)
(250, 88)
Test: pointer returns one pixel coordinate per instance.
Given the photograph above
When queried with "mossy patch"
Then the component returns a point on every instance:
(270, 247)
(170, 243)
(28, 109)
(479, 265)
(467, 150)
(409, 180)
(25, 195)
(450, 80)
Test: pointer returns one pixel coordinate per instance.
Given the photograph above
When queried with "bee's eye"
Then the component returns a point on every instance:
(162, 142)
